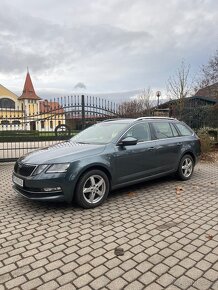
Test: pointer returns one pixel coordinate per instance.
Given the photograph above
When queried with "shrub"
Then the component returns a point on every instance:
(206, 142)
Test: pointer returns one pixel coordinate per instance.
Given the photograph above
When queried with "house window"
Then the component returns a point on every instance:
(7, 103)
(16, 122)
(5, 122)
(43, 124)
(51, 124)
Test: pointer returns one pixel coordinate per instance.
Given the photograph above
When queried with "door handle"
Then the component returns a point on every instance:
(151, 148)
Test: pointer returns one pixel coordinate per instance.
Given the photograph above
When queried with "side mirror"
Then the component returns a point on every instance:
(128, 141)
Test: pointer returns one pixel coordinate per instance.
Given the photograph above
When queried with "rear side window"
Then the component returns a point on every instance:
(184, 130)
(175, 133)
(162, 130)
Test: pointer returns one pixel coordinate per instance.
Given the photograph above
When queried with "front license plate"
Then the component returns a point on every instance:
(17, 180)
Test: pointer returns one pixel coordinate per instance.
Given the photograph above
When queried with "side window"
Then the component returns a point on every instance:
(162, 130)
(184, 130)
(175, 133)
(140, 131)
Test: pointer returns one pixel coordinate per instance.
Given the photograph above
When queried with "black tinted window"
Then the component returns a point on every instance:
(162, 130)
(184, 130)
(140, 131)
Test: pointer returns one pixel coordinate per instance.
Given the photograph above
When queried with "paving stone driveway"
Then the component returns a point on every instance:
(167, 228)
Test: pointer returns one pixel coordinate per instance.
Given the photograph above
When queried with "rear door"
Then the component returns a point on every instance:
(168, 145)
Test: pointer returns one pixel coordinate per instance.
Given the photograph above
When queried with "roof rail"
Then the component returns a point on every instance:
(114, 119)
(107, 120)
(164, 118)
(140, 118)
(117, 119)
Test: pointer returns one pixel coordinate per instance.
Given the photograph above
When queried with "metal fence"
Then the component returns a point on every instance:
(34, 124)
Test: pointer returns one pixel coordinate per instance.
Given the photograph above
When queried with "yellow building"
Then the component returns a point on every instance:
(10, 110)
(29, 111)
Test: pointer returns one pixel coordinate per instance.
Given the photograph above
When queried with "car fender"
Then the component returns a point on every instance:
(186, 149)
(81, 166)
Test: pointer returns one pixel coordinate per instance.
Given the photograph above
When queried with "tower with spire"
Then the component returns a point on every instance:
(28, 89)
(29, 100)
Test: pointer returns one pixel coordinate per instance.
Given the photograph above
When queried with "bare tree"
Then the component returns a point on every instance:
(144, 100)
(179, 86)
(209, 73)
(130, 109)
(139, 106)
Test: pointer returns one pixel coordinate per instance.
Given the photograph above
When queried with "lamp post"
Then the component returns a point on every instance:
(158, 94)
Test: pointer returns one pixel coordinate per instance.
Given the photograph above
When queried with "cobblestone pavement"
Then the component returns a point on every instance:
(167, 228)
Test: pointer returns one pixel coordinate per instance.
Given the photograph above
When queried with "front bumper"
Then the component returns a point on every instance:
(39, 195)
(33, 188)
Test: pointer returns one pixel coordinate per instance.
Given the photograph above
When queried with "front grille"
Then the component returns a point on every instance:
(23, 169)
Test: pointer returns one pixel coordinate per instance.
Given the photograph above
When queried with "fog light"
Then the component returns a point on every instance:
(48, 189)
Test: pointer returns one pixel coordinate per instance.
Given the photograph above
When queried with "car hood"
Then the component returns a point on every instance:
(62, 152)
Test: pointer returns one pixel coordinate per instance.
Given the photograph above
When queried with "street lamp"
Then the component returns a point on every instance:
(158, 94)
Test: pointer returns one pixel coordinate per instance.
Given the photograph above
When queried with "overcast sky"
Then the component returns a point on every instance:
(110, 46)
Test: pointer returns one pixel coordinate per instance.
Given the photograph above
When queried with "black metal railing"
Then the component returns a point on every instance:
(32, 124)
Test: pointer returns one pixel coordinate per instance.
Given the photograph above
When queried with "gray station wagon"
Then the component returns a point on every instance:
(106, 156)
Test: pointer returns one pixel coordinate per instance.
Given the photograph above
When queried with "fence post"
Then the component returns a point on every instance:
(83, 111)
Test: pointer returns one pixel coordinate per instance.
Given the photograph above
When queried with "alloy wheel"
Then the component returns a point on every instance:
(94, 189)
(187, 167)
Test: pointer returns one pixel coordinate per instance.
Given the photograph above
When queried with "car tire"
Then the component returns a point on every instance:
(92, 189)
(186, 167)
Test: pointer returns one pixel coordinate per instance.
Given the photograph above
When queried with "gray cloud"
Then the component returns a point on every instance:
(121, 45)
(46, 46)
(80, 86)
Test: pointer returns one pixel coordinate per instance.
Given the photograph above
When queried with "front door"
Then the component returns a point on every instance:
(136, 161)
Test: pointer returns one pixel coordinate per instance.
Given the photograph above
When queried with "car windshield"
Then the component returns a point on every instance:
(100, 133)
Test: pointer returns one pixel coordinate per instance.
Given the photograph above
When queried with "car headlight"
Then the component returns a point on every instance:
(58, 168)
(39, 169)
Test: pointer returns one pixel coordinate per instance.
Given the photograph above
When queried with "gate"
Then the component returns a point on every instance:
(46, 122)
